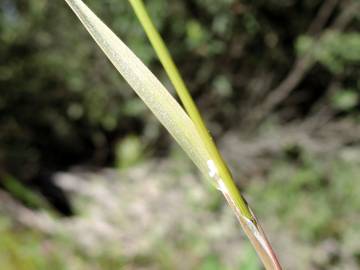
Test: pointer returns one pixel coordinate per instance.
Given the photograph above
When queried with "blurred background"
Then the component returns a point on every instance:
(90, 180)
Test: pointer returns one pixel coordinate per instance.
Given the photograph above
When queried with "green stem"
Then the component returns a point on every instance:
(187, 101)
(192, 136)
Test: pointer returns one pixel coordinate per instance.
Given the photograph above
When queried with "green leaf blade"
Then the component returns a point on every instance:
(177, 122)
(146, 85)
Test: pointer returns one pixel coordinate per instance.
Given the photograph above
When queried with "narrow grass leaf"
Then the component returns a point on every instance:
(185, 130)
(146, 85)
(225, 180)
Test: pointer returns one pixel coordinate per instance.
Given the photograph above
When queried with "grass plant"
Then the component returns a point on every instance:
(187, 128)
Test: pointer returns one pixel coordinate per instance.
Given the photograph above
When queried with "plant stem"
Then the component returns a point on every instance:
(225, 180)
(191, 136)
(186, 99)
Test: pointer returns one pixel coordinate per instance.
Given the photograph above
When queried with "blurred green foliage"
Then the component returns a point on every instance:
(60, 100)
(25, 249)
(336, 51)
(21, 250)
(324, 190)
(23, 193)
(62, 103)
(321, 204)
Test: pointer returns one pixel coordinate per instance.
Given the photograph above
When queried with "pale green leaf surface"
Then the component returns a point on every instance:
(146, 85)
(175, 120)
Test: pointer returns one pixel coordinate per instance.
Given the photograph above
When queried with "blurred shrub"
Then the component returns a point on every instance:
(62, 103)
(321, 190)
(60, 100)
(334, 50)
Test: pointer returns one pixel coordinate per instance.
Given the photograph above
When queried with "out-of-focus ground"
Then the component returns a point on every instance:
(89, 179)
(159, 214)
